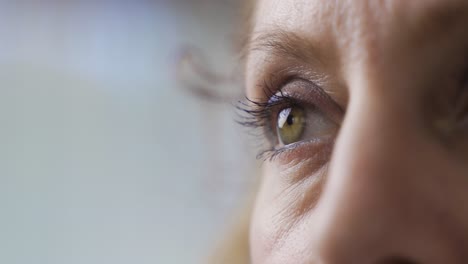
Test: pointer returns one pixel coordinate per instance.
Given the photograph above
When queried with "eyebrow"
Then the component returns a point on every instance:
(283, 44)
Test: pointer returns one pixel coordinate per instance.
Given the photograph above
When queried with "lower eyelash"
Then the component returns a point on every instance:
(275, 152)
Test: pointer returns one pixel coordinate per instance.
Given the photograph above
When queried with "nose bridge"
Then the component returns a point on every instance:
(378, 146)
(366, 211)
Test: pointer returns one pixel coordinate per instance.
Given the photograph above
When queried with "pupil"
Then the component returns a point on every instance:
(290, 120)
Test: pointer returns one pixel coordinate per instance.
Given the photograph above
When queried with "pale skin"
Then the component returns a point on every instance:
(389, 182)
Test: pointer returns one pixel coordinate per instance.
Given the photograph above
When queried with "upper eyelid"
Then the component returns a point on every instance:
(275, 50)
(302, 90)
(275, 80)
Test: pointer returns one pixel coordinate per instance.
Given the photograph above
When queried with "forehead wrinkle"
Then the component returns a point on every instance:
(347, 34)
(351, 20)
(370, 31)
(292, 23)
(284, 44)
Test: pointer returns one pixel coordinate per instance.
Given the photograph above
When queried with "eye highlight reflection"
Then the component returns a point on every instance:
(291, 125)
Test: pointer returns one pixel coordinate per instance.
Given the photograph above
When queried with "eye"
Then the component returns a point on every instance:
(306, 123)
(299, 114)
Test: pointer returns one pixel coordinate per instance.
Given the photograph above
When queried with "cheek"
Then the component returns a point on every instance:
(262, 229)
(283, 205)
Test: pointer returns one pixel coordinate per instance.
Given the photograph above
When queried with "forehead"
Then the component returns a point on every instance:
(349, 20)
(348, 31)
(287, 13)
(341, 12)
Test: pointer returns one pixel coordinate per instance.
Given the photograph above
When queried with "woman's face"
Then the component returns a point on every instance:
(364, 109)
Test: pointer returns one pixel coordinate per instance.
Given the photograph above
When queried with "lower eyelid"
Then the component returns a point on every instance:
(318, 149)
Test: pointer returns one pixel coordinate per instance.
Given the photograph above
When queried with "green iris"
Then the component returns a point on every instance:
(291, 125)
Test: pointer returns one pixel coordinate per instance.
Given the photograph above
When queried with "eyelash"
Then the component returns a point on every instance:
(258, 115)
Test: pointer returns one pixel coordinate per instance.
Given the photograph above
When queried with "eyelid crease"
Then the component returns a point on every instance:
(276, 79)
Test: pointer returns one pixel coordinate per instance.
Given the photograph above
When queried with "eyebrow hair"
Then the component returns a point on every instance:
(282, 43)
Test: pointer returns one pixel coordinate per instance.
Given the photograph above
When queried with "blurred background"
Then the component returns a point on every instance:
(106, 155)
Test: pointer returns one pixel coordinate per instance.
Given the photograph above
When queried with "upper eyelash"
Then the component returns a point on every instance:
(257, 114)
(257, 111)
